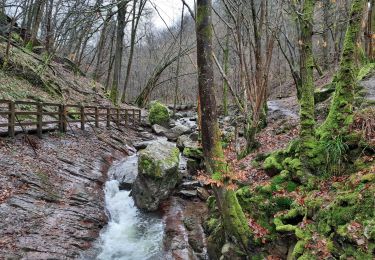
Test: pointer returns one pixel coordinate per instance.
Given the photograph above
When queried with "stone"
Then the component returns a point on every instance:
(188, 193)
(159, 130)
(190, 185)
(174, 133)
(142, 145)
(202, 193)
(194, 136)
(125, 172)
(157, 175)
(184, 141)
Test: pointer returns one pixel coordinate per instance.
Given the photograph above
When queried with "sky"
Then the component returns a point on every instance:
(170, 10)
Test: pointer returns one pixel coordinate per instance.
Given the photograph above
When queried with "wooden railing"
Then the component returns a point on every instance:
(61, 115)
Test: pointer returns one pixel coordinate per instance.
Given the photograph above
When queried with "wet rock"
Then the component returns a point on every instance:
(178, 115)
(185, 237)
(190, 185)
(177, 131)
(194, 136)
(157, 175)
(188, 193)
(202, 193)
(159, 130)
(185, 141)
(125, 172)
(141, 145)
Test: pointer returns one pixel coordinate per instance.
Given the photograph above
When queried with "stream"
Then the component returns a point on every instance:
(130, 233)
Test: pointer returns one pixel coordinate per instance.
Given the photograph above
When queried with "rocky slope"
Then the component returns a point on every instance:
(51, 198)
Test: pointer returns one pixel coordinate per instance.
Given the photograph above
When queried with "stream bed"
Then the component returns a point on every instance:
(130, 233)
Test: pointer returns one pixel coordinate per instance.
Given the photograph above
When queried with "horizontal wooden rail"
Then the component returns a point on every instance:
(62, 115)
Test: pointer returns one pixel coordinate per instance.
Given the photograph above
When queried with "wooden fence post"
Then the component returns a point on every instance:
(139, 116)
(63, 118)
(11, 119)
(118, 115)
(96, 117)
(133, 116)
(126, 117)
(82, 118)
(108, 117)
(39, 119)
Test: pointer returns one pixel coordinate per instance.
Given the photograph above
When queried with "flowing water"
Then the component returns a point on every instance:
(130, 234)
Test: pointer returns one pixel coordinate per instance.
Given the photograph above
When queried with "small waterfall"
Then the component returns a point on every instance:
(130, 234)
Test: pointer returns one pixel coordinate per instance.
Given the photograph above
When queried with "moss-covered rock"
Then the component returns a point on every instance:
(157, 174)
(193, 152)
(159, 114)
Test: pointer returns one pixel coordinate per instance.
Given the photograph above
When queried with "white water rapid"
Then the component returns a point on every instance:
(130, 234)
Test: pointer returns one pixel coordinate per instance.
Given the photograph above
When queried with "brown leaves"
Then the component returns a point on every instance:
(258, 231)
(5, 194)
(319, 247)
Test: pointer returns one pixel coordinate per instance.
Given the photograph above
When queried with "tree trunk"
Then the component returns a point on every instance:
(49, 30)
(38, 11)
(101, 43)
(178, 62)
(135, 22)
(341, 111)
(121, 5)
(234, 220)
(226, 70)
(307, 104)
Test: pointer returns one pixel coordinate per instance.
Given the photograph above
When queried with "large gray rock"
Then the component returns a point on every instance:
(125, 172)
(157, 175)
(159, 130)
(177, 131)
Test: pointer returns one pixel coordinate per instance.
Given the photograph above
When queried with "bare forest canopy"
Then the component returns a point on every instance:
(255, 45)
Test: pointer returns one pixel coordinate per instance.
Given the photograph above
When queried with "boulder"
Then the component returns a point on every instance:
(183, 141)
(159, 130)
(193, 152)
(159, 114)
(194, 136)
(157, 175)
(142, 145)
(125, 172)
(177, 131)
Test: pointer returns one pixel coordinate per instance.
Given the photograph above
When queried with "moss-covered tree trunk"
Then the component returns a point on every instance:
(341, 111)
(235, 223)
(306, 100)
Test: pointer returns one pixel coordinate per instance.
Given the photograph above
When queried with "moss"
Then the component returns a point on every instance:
(299, 248)
(159, 114)
(341, 110)
(152, 168)
(365, 70)
(193, 152)
(211, 203)
(370, 177)
(273, 163)
(281, 227)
